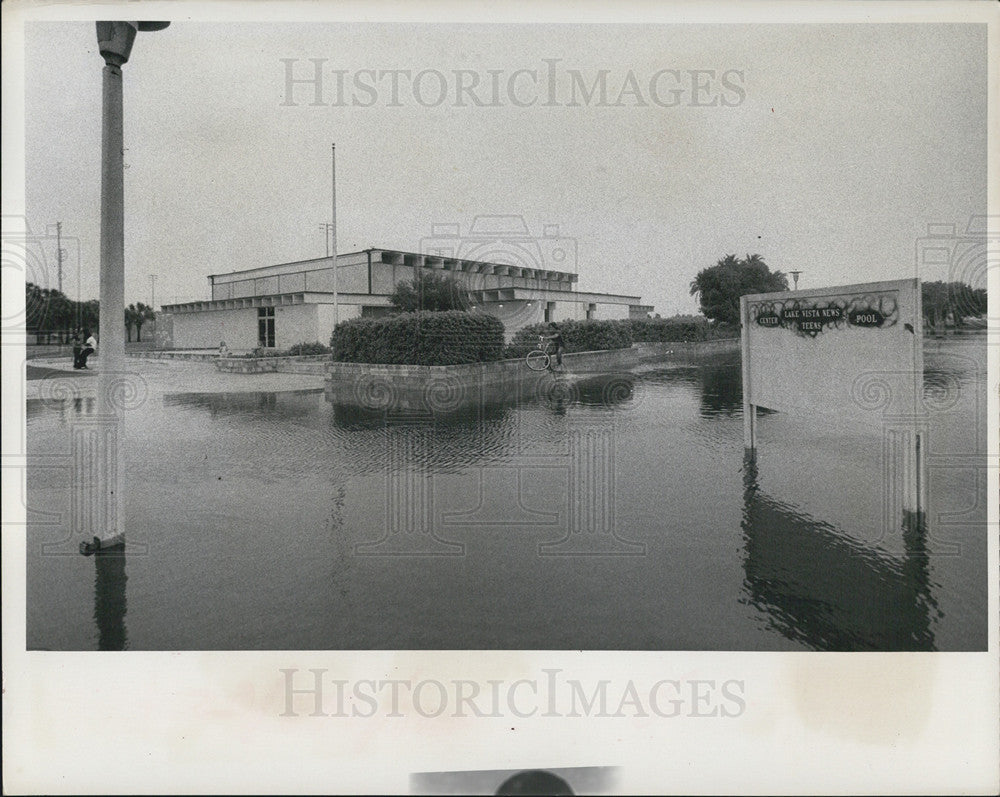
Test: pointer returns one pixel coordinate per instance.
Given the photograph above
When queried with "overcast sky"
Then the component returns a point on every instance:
(826, 149)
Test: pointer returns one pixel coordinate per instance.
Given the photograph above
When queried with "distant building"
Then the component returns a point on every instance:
(279, 306)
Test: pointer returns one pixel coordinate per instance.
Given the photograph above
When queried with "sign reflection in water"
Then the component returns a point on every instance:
(821, 588)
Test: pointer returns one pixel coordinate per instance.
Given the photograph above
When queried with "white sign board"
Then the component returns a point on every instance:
(851, 353)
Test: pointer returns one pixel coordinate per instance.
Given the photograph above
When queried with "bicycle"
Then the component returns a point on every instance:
(539, 359)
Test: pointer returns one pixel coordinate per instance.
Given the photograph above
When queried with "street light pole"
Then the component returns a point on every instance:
(102, 441)
(333, 232)
(795, 279)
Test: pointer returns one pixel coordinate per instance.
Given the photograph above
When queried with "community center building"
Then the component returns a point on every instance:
(301, 302)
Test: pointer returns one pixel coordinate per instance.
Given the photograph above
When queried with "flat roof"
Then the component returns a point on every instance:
(395, 252)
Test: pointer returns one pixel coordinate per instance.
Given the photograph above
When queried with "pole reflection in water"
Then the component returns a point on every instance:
(820, 588)
(109, 599)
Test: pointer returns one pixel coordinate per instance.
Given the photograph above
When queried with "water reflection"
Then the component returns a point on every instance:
(820, 588)
(109, 599)
(65, 408)
(226, 473)
(720, 393)
(245, 403)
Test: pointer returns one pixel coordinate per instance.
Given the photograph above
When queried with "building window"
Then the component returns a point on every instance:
(550, 311)
(265, 327)
(591, 311)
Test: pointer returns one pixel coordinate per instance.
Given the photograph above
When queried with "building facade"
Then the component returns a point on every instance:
(301, 302)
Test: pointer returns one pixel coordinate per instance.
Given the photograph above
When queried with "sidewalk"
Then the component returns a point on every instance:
(51, 377)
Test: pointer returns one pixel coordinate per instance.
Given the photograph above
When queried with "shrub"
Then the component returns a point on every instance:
(723, 330)
(300, 349)
(431, 292)
(669, 330)
(577, 336)
(445, 338)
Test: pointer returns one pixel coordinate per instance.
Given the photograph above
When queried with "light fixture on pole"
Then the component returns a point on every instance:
(103, 437)
(795, 279)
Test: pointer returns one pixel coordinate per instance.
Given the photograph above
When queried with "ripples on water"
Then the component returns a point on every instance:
(256, 505)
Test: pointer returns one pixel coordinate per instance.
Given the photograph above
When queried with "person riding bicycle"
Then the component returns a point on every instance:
(555, 335)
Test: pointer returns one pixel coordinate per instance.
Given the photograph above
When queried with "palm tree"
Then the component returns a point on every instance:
(131, 319)
(144, 313)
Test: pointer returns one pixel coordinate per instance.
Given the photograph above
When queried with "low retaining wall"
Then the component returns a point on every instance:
(302, 364)
(419, 377)
(443, 388)
(694, 351)
(172, 355)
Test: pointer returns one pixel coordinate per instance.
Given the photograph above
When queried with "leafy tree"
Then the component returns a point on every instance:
(957, 299)
(48, 310)
(720, 287)
(88, 314)
(430, 291)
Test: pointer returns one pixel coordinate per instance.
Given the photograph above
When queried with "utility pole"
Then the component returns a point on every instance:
(59, 251)
(152, 303)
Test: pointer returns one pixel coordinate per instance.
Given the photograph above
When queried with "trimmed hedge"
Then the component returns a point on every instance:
(577, 336)
(298, 350)
(444, 338)
(679, 328)
(668, 330)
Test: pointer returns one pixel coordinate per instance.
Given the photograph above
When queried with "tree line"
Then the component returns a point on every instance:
(50, 311)
(720, 287)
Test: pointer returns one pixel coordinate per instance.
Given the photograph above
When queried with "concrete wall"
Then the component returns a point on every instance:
(386, 275)
(163, 331)
(370, 384)
(294, 323)
(577, 311)
(238, 328)
(171, 355)
(325, 319)
(607, 311)
(444, 388)
(350, 279)
(306, 275)
(514, 314)
(382, 278)
(521, 313)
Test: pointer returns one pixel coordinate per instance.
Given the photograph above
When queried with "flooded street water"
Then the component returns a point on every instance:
(607, 513)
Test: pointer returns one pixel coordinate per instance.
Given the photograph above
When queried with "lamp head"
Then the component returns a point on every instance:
(115, 39)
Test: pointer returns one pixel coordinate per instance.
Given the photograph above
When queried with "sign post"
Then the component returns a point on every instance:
(849, 354)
